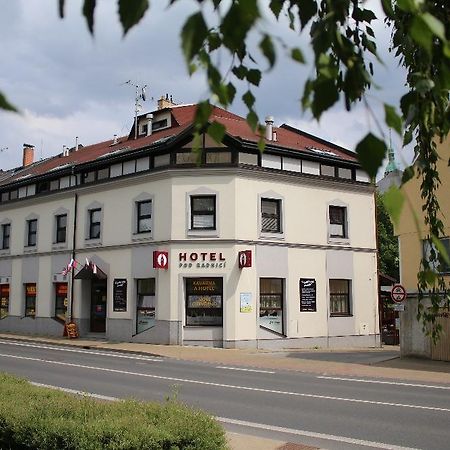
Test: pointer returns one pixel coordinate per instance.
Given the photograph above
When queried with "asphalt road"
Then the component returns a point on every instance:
(328, 412)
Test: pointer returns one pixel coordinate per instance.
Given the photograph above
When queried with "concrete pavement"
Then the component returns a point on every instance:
(381, 363)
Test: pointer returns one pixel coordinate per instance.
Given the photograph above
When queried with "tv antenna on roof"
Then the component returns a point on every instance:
(139, 95)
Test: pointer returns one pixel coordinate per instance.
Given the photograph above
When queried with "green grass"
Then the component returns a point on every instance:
(37, 418)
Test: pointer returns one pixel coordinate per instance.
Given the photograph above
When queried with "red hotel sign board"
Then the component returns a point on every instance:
(160, 260)
(245, 259)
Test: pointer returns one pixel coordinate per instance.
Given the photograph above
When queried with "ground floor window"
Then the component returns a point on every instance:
(145, 309)
(61, 301)
(340, 298)
(4, 300)
(30, 300)
(271, 304)
(204, 301)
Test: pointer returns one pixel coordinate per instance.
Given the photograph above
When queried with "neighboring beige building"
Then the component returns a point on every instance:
(234, 249)
(411, 248)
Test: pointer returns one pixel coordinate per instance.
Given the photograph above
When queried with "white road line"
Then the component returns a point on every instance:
(85, 351)
(244, 370)
(395, 383)
(312, 434)
(229, 386)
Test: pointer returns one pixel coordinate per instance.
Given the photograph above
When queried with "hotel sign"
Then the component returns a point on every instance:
(245, 259)
(160, 260)
(201, 260)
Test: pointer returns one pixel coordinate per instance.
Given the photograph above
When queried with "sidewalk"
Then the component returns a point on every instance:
(388, 367)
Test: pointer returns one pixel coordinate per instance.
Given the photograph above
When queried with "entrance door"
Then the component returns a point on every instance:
(98, 306)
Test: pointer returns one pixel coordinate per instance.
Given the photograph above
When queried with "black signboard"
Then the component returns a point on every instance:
(120, 294)
(308, 295)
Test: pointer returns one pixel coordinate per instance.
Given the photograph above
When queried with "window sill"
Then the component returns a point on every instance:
(92, 242)
(203, 233)
(30, 250)
(5, 252)
(273, 236)
(339, 240)
(138, 237)
(340, 315)
(59, 245)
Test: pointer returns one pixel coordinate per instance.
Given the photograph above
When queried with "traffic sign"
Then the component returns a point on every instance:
(398, 293)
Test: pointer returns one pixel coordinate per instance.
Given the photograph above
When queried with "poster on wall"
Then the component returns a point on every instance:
(308, 295)
(120, 295)
(246, 302)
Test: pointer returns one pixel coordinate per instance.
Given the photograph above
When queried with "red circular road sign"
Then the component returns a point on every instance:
(398, 293)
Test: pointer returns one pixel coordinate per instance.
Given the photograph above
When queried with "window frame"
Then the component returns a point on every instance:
(58, 308)
(151, 310)
(31, 298)
(6, 236)
(278, 203)
(4, 293)
(140, 217)
(348, 299)
(93, 224)
(344, 214)
(440, 266)
(32, 233)
(204, 212)
(281, 295)
(59, 228)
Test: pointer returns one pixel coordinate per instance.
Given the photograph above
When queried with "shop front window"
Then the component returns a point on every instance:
(146, 299)
(204, 301)
(61, 301)
(4, 300)
(30, 300)
(271, 304)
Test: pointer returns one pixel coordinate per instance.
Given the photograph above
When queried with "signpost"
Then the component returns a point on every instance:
(398, 293)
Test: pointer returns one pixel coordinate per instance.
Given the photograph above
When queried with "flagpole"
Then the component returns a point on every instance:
(72, 272)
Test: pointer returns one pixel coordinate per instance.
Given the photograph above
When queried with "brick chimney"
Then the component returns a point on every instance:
(165, 102)
(28, 154)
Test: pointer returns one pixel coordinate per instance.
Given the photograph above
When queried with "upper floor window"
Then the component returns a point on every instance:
(340, 298)
(61, 228)
(31, 232)
(144, 216)
(270, 215)
(203, 212)
(338, 221)
(439, 264)
(95, 223)
(6, 234)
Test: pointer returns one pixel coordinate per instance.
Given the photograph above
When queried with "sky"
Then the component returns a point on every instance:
(67, 83)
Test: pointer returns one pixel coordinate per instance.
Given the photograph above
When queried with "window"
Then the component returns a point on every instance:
(429, 250)
(6, 234)
(158, 124)
(271, 304)
(145, 309)
(4, 300)
(94, 223)
(61, 228)
(204, 301)
(340, 298)
(144, 216)
(30, 300)
(31, 232)
(203, 212)
(338, 221)
(270, 215)
(61, 301)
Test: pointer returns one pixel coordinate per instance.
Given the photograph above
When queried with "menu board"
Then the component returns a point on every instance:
(120, 295)
(308, 295)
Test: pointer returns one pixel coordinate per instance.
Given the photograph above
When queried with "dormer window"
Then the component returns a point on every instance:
(158, 124)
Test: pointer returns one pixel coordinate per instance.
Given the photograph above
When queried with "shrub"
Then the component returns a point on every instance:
(44, 419)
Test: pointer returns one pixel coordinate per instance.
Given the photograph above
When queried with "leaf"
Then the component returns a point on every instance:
(325, 95)
(268, 50)
(61, 8)
(408, 173)
(240, 71)
(393, 200)
(131, 12)
(306, 11)
(421, 33)
(441, 249)
(88, 12)
(254, 76)
(4, 104)
(392, 119)
(434, 25)
(252, 120)
(425, 85)
(407, 5)
(363, 15)
(371, 152)
(202, 114)
(193, 34)
(249, 99)
(297, 55)
(217, 131)
(214, 41)
(276, 6)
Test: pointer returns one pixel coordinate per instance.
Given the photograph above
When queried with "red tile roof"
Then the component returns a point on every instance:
(236, 126)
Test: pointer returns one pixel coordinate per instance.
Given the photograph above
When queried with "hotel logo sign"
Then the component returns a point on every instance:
(245, 259)
(160, 260)
(201, 260)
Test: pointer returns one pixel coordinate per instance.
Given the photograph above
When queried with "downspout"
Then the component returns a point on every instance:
(72, 272)
(377, 280)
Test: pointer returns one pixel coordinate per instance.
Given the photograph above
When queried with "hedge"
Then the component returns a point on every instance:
(38, 418)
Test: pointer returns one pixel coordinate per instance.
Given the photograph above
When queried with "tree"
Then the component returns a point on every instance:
(387, 241)
(345, 57)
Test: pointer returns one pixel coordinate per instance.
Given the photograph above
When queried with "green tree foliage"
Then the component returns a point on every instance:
(345, 57)
(387, 241)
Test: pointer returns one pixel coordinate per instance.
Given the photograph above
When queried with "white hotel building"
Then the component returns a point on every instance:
(161, 240)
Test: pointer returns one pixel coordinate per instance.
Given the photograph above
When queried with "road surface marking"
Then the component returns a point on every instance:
(244, 423)
(396, 383)
(244, 370)
(113, 354)
(228, 386)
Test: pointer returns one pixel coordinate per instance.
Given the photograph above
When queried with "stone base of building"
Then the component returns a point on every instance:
(43, 326)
